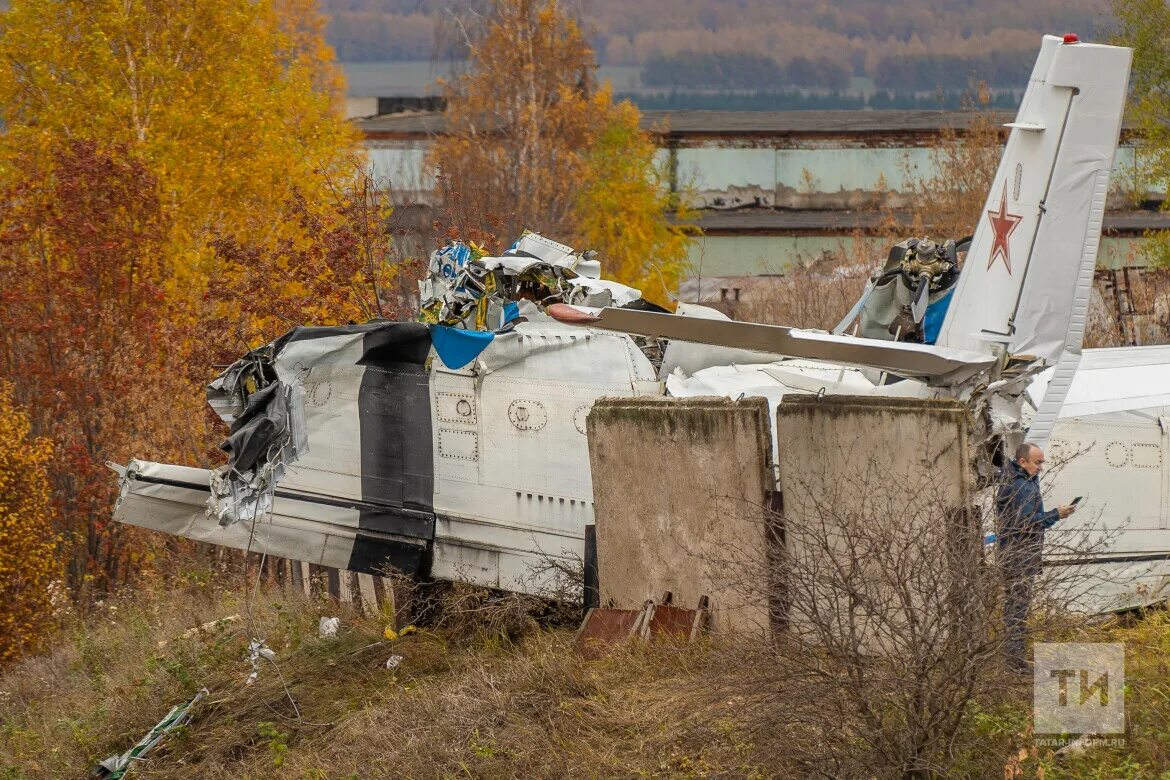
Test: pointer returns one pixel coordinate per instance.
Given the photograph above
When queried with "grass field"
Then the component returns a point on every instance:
(486, 694)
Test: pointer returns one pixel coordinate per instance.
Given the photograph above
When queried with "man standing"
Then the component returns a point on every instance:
(1022, 522)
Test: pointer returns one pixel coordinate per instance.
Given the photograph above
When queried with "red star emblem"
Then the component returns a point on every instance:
(1003, 225)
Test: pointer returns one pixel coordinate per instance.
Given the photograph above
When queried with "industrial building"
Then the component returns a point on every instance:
(773, 188)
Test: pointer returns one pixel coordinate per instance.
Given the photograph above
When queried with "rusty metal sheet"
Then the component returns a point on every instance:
(668, 621)
(603, 627)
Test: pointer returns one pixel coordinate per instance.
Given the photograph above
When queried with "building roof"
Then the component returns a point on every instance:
(809, 122)
(730, 123)
(765, 221)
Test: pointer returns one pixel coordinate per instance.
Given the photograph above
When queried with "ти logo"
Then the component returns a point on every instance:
(1079, 688)
(1099, 686)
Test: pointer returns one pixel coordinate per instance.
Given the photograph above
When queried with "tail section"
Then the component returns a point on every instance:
(1026, 281)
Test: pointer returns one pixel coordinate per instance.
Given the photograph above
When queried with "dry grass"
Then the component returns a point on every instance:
(496, 701)
(482, 703)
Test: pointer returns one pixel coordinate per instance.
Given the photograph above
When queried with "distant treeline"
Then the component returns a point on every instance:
(944, 71)
(793, 100)
(731, 70)
(910, 73)
(373, 36)
(760, 44)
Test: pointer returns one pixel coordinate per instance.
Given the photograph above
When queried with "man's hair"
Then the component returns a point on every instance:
(1024, 451)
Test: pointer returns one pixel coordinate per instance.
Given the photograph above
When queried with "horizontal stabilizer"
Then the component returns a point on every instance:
(935, 365)
(326, 532)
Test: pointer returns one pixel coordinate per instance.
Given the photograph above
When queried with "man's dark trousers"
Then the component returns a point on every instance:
(1022, 522)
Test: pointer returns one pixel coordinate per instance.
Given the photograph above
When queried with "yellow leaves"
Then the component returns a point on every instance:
(558, 156)
(622, 206)
(393, 635)
(228, 108)
(519, 121)
(27, 543)
(217, 95)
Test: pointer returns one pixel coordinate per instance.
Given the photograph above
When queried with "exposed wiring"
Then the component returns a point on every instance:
(252, 589)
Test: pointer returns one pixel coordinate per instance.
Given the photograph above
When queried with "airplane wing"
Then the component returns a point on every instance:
(1115, 381)
(934, 365)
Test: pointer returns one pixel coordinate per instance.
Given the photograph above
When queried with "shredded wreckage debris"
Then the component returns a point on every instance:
(456, 448)
(271, 397)
(467, 289)
(297, 395)
(467, 301)
(340, 437)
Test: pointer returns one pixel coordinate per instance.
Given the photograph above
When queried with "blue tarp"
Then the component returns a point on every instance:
(932, 321)
(456, 347)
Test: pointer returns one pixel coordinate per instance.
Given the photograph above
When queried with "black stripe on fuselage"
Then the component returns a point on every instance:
(397, 464)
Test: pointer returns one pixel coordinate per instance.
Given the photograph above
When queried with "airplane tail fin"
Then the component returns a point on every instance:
(1028, 273)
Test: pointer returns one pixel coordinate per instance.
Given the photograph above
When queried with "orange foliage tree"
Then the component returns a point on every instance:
(622, 208)
(27, 545)
(521, 117)
(343, 266)
(139, 136)
(223, 101)
(83, 271)
(532, 142)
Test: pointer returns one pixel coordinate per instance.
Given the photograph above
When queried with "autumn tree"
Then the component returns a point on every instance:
(139, 136)
(222, 100)
(83, 268)
(533, 142)
(344, 266)
(521, 117)
(620, 208)
(1141, 24)
(27, 543)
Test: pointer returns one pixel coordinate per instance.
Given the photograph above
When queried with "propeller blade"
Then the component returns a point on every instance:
(918, 308)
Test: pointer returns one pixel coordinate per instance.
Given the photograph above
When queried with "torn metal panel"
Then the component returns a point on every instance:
(116, 767)
(499, 448)
(264, 435)
(469, 290)
(310, 411)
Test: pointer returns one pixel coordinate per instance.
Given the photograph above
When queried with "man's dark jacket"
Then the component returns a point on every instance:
(1022, 522)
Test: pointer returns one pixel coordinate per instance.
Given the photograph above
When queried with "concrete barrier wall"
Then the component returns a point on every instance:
(680, 489)
(683, 490)
(836, 445)
(861, 479)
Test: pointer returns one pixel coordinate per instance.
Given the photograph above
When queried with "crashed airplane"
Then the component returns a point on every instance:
(455, 447)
